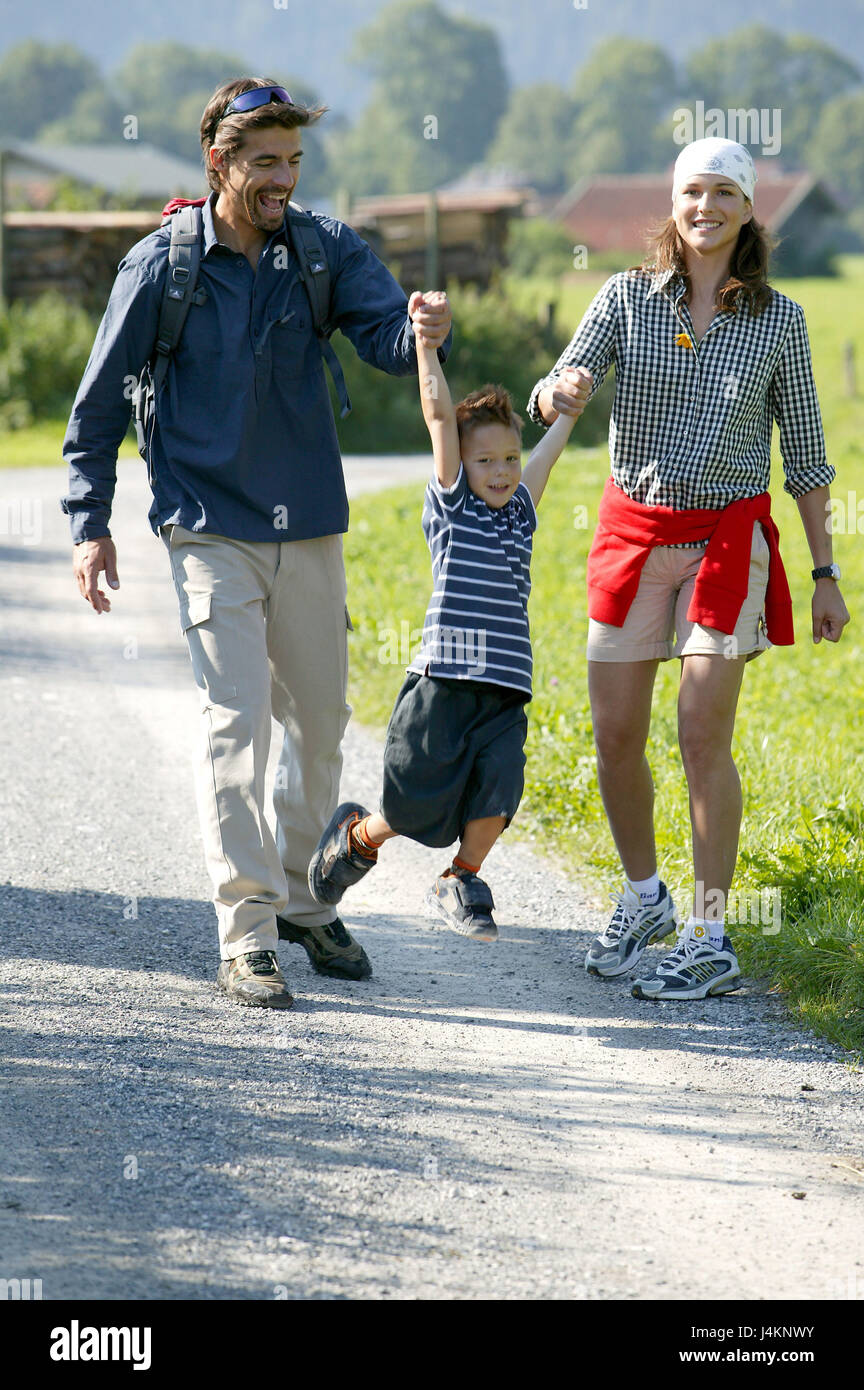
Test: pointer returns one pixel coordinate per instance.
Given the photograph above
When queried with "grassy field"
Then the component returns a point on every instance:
(800, 733)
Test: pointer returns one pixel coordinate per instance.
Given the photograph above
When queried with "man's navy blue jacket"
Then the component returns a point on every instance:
(245, 442)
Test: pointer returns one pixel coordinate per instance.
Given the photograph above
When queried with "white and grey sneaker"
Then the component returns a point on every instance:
(631, 928)
(692, 970)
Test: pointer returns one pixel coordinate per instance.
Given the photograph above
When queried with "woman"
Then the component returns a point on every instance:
(685, 560)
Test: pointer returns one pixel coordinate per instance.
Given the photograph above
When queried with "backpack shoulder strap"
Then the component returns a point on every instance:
(315, 273)
(184, 258)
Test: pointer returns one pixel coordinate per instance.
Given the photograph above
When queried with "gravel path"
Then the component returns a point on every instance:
(474, 1121)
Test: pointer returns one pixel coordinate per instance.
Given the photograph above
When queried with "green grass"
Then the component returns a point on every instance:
(799, 741)
(37, 446)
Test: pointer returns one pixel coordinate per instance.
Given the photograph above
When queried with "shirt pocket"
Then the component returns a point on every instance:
(290, 341)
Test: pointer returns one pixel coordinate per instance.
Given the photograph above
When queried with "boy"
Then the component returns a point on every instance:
(454, 760)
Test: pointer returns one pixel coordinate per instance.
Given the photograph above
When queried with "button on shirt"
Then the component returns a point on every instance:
(691, 426)
(476, 625)
(244, 443)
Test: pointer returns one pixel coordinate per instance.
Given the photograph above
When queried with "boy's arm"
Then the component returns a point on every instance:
(535, 474)
(437, 404)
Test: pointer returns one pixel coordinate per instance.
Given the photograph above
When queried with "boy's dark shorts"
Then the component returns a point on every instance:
(454, 753)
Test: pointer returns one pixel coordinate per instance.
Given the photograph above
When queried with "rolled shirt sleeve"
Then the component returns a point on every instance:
(592, 346)
(795, 407)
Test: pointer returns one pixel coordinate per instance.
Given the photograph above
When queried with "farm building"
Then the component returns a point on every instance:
(613, 212)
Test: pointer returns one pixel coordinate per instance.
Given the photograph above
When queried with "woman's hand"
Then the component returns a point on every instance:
(830, 614)
(568, 394)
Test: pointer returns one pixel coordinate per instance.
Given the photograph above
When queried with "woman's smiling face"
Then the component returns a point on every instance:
(709, 212)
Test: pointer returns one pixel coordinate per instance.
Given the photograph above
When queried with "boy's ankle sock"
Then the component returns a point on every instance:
(463, 864)
(361, 841)
(647, 888)
(716, 930)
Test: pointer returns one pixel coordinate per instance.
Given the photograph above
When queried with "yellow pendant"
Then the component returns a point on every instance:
(683, 340)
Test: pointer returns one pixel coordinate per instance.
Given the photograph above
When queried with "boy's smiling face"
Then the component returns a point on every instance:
(492, 455)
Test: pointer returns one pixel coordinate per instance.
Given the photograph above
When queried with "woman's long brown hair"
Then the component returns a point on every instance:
(748, 277)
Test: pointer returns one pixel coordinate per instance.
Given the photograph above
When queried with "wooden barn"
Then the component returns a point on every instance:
(430, 238)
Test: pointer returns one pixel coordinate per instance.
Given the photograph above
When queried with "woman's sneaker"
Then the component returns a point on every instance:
(336, 865)
(693, 970)
(631, 928)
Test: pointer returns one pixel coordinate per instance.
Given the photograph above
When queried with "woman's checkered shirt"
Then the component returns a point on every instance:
(691, 427)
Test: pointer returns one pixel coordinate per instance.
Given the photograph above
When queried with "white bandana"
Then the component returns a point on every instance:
(713, 155)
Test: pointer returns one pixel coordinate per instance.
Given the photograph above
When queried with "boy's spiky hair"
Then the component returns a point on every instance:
(491, 405)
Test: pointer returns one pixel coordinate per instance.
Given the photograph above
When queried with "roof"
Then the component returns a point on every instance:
(395, 205)
(612, 212)
(129, 167)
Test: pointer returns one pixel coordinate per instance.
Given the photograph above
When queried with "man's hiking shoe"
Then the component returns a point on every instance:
(631, 928)
(331, 949)
(693, 970)
(255, 979)
(335, 865)
(465, 902)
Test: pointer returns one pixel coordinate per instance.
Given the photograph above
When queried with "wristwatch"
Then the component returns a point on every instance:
(826, 572)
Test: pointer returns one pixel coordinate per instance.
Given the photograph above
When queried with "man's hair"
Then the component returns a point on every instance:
(748, 273)
(491, 405)
(229, 134)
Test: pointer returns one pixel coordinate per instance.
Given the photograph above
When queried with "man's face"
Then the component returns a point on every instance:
(493, 466)
(262, 175)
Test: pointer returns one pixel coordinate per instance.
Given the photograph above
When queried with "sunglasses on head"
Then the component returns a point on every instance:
(258, 96)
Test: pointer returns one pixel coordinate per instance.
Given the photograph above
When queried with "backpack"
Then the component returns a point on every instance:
(182, 291)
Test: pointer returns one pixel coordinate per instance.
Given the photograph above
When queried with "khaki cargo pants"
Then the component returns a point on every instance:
(266, 626)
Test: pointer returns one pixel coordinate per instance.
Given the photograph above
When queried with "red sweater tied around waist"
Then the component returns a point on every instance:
(627, 531)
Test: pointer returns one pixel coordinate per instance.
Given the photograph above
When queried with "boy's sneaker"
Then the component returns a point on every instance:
(693, 970)
(331, 949)
(631, 928)
(255, 979)
(335, 865)
(465, 902)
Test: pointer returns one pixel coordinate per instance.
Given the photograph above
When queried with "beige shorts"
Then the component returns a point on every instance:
(656, 624)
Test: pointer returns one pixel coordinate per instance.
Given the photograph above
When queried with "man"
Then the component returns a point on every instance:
(249, 498)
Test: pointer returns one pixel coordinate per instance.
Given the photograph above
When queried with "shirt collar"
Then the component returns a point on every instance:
(661, 278)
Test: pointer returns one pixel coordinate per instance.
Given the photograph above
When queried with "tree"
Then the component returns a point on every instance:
(153, 74)
(94, 118)
(40, 82)
(621, 92)
(834, 152)
(536, 136)
(440, 87)
(756, 68)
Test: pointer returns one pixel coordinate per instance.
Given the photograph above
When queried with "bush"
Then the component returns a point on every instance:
(538, 247)
(44, 347)
(493, 341)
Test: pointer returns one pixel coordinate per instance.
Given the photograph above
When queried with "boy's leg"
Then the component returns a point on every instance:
(478, 838)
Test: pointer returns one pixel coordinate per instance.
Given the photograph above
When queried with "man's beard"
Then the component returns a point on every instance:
(264, 222)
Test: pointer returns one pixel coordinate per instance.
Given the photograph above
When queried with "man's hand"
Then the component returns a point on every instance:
(830, 614)
(431, 316)
(568, 394)
(88, 560)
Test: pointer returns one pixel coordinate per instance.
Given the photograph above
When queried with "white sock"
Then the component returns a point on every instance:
(647, 888)
(715, 930)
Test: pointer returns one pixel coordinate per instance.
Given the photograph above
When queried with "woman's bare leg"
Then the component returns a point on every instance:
(620, 695)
